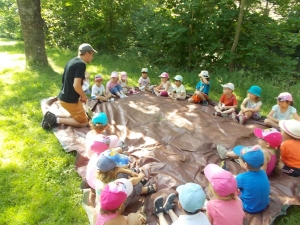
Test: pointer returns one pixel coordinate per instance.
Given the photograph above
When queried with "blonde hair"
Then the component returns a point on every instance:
(108, 176)
(229, 197)
(118, 210)
(99, 128)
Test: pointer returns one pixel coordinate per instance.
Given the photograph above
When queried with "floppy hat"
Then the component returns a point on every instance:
(164, 74)
(83, 48)
(252, 155)
(222, 181)
(98, 77)
(100, 118)
(291, 127)
(110, 159)
(255, 90)
(204, 73)
(228, 85)
(178, 77)
(284, 96)
(115, 193)
(145, 70)
(270, 135)
(191, 197)
(114, 74)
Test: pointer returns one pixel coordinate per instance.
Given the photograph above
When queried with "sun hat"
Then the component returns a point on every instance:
(164, 74)
(114, 74)
(284, 96)
(291, 127)
(123, 74)
(255, 90)
(252, 155)
(110, 159)
(115, 193)
(83, 48)
(191, 197)
(100, 118)
(144, 70)
(222, 181)
(228, 85)
(98, 77)
(204, 73)
(271, 135)
(178, 77)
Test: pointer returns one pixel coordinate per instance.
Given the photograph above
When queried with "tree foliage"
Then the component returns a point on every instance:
(179, 34)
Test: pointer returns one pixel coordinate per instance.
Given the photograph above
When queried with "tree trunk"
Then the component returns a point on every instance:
(237, 35)
(33, 33)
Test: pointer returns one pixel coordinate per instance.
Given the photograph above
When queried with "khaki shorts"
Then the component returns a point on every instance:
(76, 110)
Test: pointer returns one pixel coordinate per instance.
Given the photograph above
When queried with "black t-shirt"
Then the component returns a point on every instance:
(75, 68)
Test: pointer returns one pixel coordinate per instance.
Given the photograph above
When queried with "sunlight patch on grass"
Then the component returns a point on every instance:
(15, 61)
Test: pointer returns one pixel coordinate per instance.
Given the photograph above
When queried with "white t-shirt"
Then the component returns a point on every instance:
(179, 90)
(197, 219)
(283, 116)
(97, 90)
(144, 82)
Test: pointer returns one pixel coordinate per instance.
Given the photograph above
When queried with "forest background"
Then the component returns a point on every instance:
(175, 36)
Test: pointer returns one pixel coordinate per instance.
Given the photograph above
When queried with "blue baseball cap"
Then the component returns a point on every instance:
(255, 90)
(100, 118)
(191, 197)
(110, 159)
(252, 155)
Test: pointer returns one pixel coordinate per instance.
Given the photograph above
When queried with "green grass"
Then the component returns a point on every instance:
(39, 184)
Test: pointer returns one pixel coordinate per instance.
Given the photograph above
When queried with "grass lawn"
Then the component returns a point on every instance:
(39, 184)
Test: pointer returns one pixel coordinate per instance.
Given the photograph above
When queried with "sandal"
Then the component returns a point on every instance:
(150, 189)
(142, 215)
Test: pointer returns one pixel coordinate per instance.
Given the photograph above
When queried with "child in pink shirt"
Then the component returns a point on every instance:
(224, 207)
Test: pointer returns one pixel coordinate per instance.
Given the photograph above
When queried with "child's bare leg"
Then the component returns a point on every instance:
(145, 189)
(102, 98)
(248, 114)
(191, 100)
(180, 97)
(200, 95)
(228, 111)
(270, 123)
(231, 154)
(280, 164)
(217, 108)
(162, 219)
(133, 219)
(173, 216)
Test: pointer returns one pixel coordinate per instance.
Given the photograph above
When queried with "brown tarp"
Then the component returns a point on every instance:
(171, 142)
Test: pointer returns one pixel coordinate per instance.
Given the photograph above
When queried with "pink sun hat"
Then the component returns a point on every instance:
(222, 181)
(270, 135)
(164, 74)
(115, 193)
(284, 96)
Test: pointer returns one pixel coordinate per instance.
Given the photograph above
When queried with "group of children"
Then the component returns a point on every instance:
(229, 196)
(116, 184)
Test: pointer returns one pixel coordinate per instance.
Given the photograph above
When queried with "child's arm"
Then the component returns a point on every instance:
(296, 116)
(271, 117)
(204, 79)
(157, 88)
(127, 171)
(266, 161)
(135, 180)
(168, 86)
(243, 105)
(107, 87)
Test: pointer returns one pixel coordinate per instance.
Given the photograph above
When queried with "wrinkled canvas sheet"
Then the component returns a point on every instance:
(171, 142)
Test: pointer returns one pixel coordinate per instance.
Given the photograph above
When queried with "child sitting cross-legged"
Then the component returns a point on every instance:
(289, 162)
(112, 200)
(191, 200)
(178, 90)
(269, 140)
(202, 89)
(111, 166)
(224, 207)
(164, 87)
(253, 184)
(227, 103)
(98, 90)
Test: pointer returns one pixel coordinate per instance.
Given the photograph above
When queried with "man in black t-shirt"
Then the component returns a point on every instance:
(71, 95)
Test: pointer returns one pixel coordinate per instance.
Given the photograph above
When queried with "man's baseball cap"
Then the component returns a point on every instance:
(83, 48)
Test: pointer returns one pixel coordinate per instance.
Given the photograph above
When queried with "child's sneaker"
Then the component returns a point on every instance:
(234, 117)
(217, 114)
(159, 205)
(111, 100)
(169, 203)
(222, 151)
(204, 103)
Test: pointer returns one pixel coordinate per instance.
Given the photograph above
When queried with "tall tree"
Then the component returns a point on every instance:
(237, 35)
(33, 33)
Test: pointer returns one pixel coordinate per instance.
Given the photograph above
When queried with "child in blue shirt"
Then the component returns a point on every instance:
(254, 184)
(202, 89)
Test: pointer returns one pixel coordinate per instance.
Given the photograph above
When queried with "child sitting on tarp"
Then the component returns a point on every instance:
(111, 166)
(96, 143)
(202, 89)
(112, 200)
(178, 90)
(289, 162)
